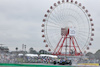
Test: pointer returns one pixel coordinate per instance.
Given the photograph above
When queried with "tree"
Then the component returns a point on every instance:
(16, 48)
(97, 54)
(32, 51)
(90, 55)
(43, 52)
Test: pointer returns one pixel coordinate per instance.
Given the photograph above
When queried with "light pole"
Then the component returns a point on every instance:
(1, 48)
(25, 47)
(66, 48)
(24, 50)
(22, 47)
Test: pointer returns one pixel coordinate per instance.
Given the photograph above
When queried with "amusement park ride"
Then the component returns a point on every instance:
(67, 28)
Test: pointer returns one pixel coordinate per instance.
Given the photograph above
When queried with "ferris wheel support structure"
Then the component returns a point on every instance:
(64, 39)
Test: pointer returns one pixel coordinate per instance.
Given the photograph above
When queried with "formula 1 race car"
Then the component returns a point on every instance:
(63, 62)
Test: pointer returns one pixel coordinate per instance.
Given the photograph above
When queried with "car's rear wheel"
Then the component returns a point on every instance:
(54, 62)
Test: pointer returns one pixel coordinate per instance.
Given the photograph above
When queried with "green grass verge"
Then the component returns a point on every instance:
(30, 65)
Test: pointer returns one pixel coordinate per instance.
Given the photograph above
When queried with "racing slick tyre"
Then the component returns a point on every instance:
(54, 62)
(63, 63)
(70, 63)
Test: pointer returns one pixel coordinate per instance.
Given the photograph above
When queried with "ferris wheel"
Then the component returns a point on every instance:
(67, 28)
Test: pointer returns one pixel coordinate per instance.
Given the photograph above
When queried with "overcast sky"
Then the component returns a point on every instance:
(20, 22)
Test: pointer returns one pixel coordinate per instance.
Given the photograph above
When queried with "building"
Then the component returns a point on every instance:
(4, 49)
